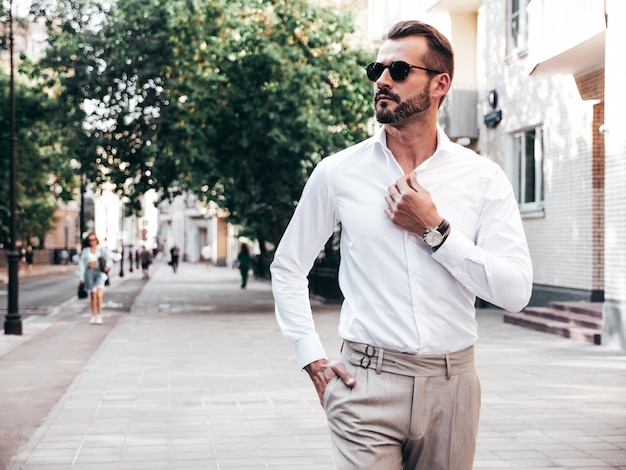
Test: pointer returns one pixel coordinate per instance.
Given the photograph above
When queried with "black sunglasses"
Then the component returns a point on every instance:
(398, 70)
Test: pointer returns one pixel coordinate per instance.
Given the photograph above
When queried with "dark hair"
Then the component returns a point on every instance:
(441, 55)
(90, 234)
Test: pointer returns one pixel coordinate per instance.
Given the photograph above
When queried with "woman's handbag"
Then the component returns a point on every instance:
(82, 292)
(103, 264)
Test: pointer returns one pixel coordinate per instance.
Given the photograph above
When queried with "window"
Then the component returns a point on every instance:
(517, 26)
(526, 169)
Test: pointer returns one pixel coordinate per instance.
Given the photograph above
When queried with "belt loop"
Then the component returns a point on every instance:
(379, 362)
(447, 368)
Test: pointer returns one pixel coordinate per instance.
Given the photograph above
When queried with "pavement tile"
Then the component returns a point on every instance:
(199, 376)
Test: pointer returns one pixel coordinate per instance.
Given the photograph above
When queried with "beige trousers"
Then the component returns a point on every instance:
(405, 412)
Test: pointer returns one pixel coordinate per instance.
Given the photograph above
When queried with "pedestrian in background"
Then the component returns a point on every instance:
(21, 263)
(146, 261)
(426, 227)
(94, 264)
(30, 259)
(174, 257)
(205, 252)
(244, 261)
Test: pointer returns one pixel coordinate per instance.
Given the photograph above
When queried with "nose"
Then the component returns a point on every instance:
(385, 78)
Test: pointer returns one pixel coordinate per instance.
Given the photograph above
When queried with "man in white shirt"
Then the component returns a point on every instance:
(426, 227)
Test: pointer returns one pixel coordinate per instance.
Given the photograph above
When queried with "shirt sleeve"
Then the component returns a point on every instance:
(496, 266)
(80, 267)
(311, 226)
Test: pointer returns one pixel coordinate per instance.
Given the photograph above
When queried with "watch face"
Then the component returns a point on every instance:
(433, 238)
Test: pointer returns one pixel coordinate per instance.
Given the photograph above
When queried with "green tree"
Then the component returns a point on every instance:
(43, 174)
(108, 58)
(233, 100)
(284, 90)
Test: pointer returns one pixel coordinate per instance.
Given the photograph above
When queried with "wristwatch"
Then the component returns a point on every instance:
(434, 237)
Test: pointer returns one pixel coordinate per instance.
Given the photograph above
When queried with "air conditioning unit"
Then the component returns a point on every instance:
(459, 116)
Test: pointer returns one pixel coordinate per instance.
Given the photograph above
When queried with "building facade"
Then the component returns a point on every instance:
(614, 309)
(190, 225)
(547, 82)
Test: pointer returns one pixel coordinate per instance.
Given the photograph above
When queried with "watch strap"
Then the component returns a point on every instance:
(442, 228)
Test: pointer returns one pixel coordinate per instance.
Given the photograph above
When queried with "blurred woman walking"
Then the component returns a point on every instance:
(92, 270)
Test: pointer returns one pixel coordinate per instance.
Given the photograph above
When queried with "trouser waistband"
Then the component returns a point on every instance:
(414, 365)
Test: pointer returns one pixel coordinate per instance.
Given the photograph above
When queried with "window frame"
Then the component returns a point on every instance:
(518, 170)
(517, 38)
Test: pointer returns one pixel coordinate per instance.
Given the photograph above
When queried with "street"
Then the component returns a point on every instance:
(195, 374)
(41, 295)
(44, 295)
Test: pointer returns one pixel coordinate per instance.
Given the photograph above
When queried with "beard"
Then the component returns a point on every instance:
(405, 109)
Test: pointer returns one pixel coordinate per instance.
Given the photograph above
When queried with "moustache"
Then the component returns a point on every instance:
(386, 94)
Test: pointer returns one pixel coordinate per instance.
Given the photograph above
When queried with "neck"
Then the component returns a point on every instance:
(411, 145)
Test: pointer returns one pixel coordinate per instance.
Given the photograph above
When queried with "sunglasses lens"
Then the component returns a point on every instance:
(374, 71)
(399, 71)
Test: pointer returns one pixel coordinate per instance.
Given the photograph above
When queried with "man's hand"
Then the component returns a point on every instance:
(323, 371)
(410, 206)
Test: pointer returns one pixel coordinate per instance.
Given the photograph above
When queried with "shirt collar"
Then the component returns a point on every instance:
(380, 137)
(380, 143)
(444, 144)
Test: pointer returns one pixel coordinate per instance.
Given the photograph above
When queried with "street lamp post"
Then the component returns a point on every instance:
(13, 321)
(83, 185)
(122, 260)
(122, 239)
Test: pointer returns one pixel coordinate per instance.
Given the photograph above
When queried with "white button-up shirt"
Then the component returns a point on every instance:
(398, 294)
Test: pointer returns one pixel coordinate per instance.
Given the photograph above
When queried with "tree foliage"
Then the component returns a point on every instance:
(109, 60)
(233, 100)
(44, 176)
(261, 92)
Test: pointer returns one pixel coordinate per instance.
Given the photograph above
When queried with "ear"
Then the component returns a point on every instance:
(440, 85)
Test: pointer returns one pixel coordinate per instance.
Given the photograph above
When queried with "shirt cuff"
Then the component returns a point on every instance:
(455, 248)
(309, 349)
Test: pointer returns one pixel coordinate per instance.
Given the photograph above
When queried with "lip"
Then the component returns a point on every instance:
(384, 97)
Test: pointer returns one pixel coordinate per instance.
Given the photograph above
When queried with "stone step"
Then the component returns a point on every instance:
(565, 316)
(560, 328)
(593, 309)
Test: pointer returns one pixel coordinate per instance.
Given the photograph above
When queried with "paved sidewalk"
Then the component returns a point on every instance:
(37, 271)
(198, 376)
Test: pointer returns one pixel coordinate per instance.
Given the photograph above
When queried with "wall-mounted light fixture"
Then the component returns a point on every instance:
(493, 118)
(493, 99)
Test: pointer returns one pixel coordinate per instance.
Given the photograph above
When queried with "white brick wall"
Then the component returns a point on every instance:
(615, 141)
(560, 238)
